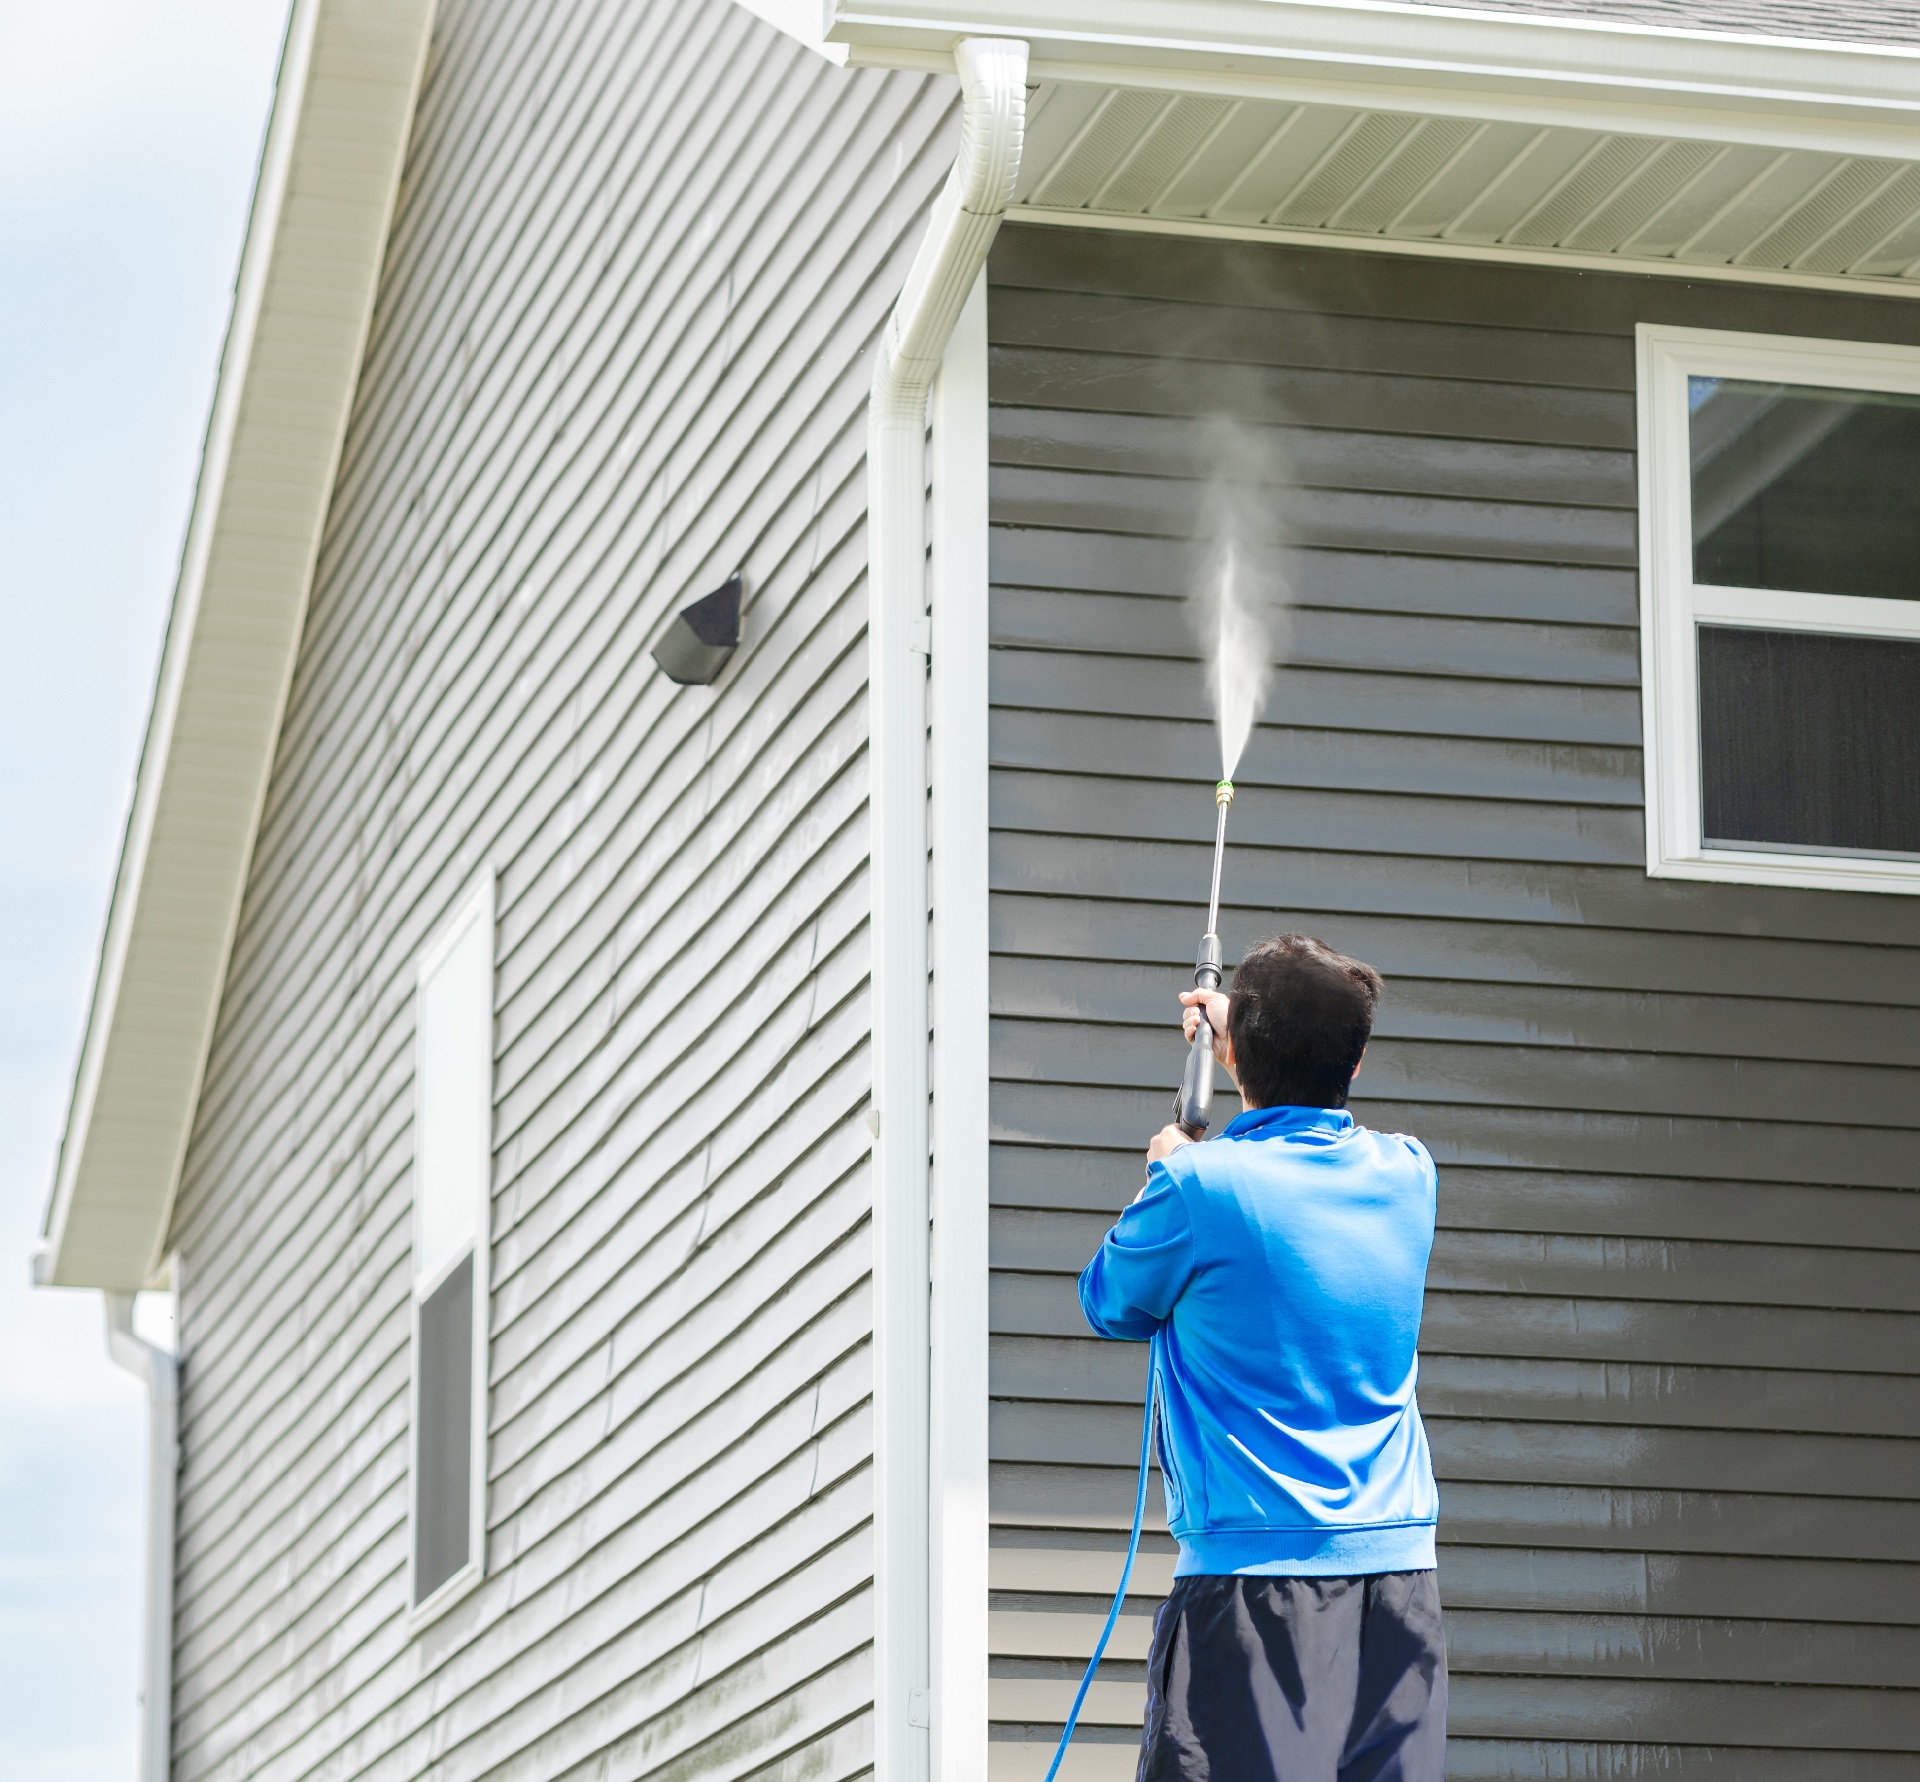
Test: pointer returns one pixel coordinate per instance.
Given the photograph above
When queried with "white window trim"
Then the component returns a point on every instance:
(476, 905)
(1671, 606)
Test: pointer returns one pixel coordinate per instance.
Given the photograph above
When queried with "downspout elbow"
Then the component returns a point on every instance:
(966, 216)
(127, 1351)
(154, 1367)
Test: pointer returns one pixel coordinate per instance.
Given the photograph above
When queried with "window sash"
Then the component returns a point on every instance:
(458, 1267)
(444, 1346)
(1674, 606)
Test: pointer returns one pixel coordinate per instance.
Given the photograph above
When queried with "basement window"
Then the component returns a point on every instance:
(452, 1179)
(1780, 609)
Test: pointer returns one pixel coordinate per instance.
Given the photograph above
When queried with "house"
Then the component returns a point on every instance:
(514, 1060)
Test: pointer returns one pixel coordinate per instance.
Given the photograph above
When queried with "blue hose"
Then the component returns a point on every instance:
(1120, 1595)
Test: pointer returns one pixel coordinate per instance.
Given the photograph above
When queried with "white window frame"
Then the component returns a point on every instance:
(1672, 606)
(475, 907)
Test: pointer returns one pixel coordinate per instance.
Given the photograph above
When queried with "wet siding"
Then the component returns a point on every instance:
(620, 351)
(1671, 1351)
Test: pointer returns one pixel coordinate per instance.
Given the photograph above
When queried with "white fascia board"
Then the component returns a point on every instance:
(1843, 98)
(329, 174)
(805, 21)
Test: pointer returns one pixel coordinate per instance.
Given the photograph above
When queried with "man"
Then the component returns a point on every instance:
(1278, 1270)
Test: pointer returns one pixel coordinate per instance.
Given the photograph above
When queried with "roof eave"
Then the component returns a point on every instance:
(330, 169)
(1847, 98)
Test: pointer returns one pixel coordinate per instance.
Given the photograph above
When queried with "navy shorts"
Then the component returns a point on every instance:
(1297, 1680)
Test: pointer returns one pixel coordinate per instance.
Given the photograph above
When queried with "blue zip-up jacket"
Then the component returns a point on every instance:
(1278, 1270)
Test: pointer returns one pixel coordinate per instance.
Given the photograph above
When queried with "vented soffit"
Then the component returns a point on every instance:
(1130, 153)
(1443, 130)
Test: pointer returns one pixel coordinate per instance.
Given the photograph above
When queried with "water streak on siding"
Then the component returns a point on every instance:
(1672, 1343)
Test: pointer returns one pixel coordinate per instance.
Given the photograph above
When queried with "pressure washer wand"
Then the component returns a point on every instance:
(1193, 1106)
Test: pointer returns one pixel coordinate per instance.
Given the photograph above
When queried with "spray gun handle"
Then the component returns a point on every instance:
(1193, 1106)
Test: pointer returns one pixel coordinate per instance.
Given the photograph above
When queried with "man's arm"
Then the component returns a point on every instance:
(1129, 1287)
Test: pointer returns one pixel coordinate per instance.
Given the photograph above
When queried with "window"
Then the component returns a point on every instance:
(1780, 609)
(452, 1177)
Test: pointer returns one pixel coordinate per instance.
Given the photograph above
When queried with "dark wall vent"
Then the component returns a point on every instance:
(695, 647)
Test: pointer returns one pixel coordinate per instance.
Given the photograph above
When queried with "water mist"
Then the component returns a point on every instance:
(1238, 601)
(1238, 598)
(1238, 604)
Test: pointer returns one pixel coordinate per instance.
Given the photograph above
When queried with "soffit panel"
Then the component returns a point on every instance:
(1343, 171)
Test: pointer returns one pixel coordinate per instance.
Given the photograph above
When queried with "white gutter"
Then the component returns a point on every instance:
(1840, 98)
(967, 214)
(159, 1372)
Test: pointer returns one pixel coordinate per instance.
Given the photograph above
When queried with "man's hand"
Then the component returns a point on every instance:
(1166, 1141)
(1215, 1005)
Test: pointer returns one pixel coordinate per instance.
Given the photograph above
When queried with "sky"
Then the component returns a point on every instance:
(129, 134)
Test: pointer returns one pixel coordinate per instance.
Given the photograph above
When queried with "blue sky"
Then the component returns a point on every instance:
(129, 131)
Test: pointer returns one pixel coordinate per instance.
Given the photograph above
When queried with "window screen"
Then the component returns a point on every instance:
(1810, 742)
(443, 1442)
(1804, 489)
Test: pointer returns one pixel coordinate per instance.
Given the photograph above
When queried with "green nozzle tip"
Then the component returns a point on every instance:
(1223, 792)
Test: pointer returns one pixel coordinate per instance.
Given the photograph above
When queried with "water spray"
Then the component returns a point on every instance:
(1239, 625)
(1193, 1106)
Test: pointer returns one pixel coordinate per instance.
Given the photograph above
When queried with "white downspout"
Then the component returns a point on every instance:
(993, 74)
(157, 1369)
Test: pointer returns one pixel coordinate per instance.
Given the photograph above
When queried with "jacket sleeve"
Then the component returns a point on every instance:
(1129, 1287)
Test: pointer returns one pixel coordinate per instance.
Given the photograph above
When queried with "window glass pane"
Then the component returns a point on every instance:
(453, 1100)
(1805, 489)
(443, 1442)
(1809, 742)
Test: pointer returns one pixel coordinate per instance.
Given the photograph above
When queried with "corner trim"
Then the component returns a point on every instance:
(958, 759)
(965, 218)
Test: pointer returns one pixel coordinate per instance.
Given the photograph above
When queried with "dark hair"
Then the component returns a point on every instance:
(1300, 1017)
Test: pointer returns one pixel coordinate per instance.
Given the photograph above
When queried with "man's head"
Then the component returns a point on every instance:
(1299, 1020)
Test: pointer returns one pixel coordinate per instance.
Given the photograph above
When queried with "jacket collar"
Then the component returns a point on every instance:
(1287, 1122)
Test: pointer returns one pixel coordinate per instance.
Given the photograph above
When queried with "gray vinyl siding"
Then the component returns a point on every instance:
(621, 350)
(1671, 1360)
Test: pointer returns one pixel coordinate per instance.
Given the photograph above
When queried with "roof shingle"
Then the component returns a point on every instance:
(1831, 21)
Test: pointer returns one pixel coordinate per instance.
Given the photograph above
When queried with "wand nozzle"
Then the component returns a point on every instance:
(1193, 1106)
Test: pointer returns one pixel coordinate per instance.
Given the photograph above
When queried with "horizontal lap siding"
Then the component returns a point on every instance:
(1670, 1347)
(620, 351)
